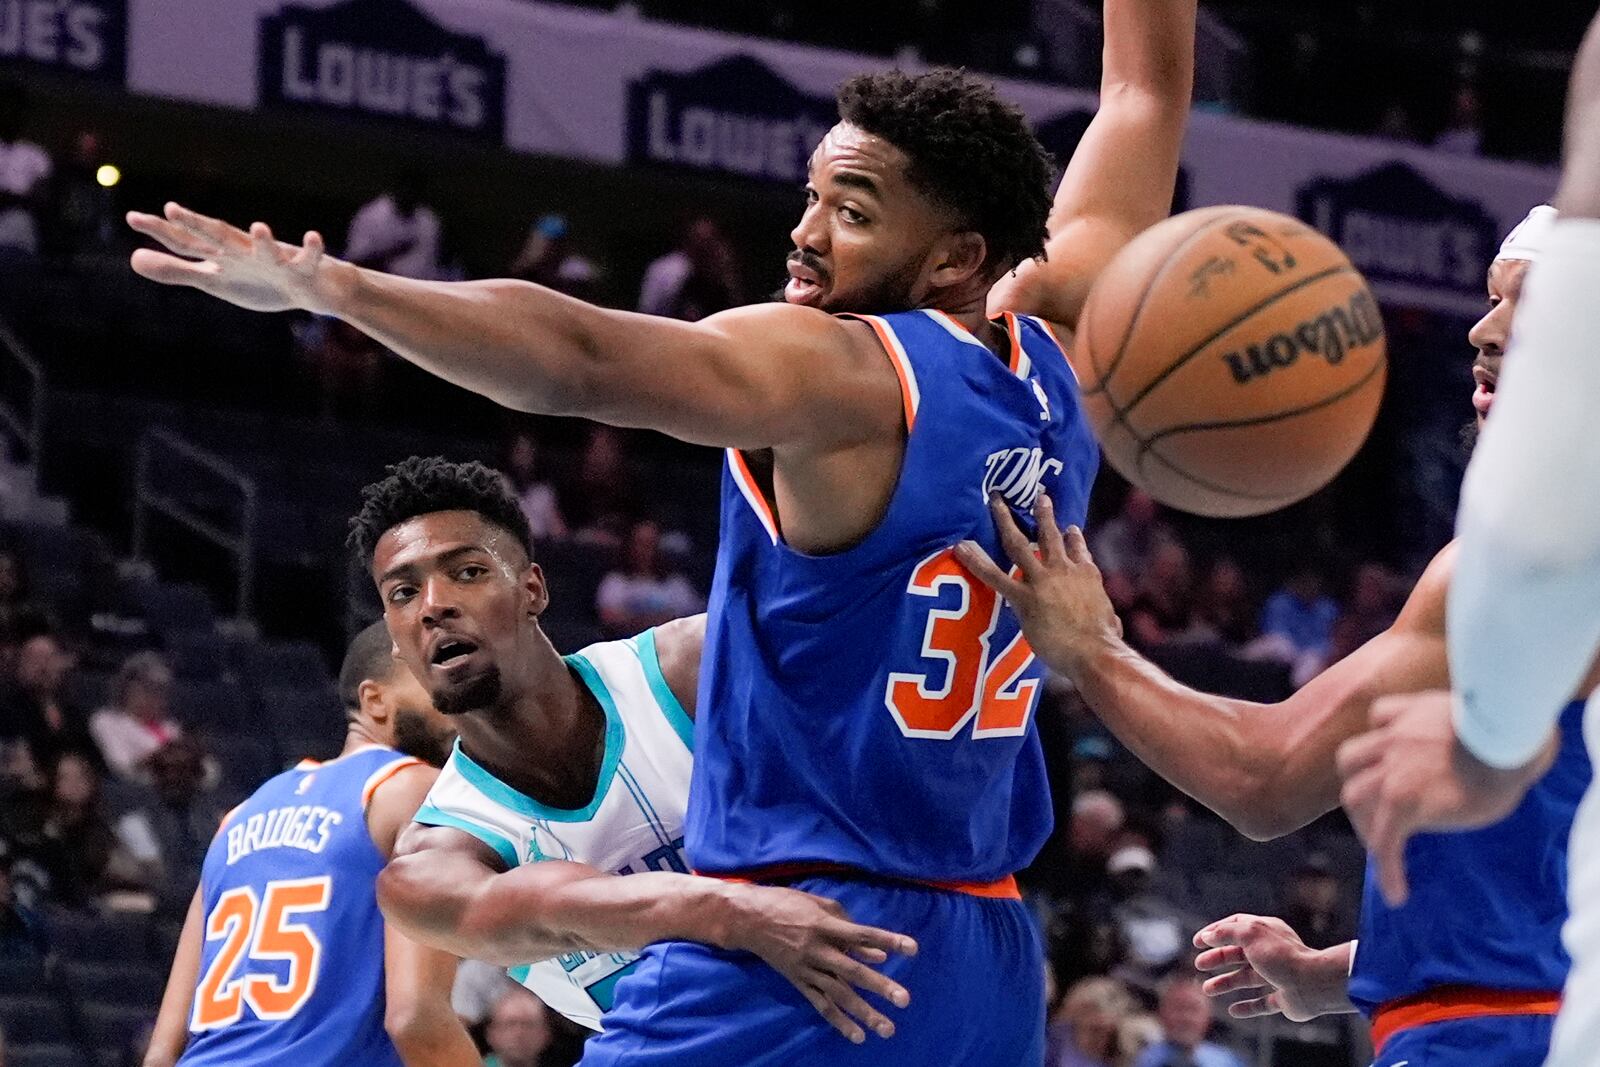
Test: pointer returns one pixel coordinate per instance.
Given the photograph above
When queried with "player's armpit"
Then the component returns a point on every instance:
(1121, 177)
(171, 1031)
(417, 1013)
(678, 647)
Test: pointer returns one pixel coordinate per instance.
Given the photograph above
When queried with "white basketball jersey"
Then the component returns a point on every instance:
(634, 822)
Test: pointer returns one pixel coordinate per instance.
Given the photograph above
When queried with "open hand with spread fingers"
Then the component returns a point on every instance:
(1264, 956)
(1056, 590)
(251, 269)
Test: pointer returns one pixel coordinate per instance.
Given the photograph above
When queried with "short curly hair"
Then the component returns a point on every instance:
(421, 486)
(970, 151)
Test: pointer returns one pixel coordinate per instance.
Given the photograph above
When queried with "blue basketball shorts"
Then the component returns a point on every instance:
(976, 985)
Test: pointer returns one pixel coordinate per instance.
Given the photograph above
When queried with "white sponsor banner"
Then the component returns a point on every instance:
(617, 89)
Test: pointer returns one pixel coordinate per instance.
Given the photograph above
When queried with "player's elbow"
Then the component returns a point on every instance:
(1253, 802)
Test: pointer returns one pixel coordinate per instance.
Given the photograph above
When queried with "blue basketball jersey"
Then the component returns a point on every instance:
(292, 966)
(1487, 906)
(874, 707)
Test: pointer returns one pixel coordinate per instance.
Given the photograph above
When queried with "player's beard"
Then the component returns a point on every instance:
(413, 737)
(475, 694)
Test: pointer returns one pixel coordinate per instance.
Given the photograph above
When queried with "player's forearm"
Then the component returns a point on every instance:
(522, 345)
(528, 915)
(1579, 195)
(1131, 147)
(1217, 750)
(433, 1039)
(1325, 980)
(544, 909)
(1523, 626)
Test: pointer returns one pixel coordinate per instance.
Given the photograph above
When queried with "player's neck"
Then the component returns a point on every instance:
(972, 314)
(547, 742)
(359, 735)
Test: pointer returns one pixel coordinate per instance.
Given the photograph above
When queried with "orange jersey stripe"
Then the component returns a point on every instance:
(1457, 1002)
(1001, 889)
(752, 493)
(891, 345)
(383, 774)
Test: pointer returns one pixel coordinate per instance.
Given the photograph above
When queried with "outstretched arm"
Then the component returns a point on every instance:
(447, 889)
(1120, 180)
(769, 376)
(1268, 769)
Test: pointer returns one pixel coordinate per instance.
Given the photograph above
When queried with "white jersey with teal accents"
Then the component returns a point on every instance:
(634, 822)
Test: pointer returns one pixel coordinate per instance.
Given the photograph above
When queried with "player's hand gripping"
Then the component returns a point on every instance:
(1410, 774)
(1259, 953)
(811, 941)
(253, 270)
(1059, 597)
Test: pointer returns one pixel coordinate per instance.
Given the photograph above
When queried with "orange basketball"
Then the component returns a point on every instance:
(1232, 361)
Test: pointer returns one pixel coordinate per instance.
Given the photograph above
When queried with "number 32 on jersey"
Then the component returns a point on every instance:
(978, 682)
(266, 927)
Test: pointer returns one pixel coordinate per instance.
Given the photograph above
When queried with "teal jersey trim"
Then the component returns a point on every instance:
(429, 815)
(682, 725)
(524, 805)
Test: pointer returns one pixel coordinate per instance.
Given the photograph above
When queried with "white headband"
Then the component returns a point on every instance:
(1531, 236)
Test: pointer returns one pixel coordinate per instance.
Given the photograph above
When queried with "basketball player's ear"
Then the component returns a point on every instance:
(373, 702)
(960, 258)
(537, 592)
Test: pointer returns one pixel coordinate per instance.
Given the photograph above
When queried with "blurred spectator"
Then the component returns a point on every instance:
(643, 592)
(20, 617)
(1313, 906)
(36, 710)
(1463, 134)
(478, 988)
(533, 491)
(698, 278)
(171, 829)
(83, 212)
(1124, 543)
(547, 258)
(1097, 818)
(1395, 123)
(1137, 1033)
(600, 504)
(397, 232)
(1299, 619)
(1223, 609)
(136, 723)
(1163, 609)
(1185, 1016)
(345, 365)
(1154, 932)
(85, 861)
(1083, 1032)
(24, 175)
(21, 932)
(1371, 610)
(519, 1031)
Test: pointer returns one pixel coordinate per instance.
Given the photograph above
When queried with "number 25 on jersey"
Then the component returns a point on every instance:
(261, 930)
(977, 682)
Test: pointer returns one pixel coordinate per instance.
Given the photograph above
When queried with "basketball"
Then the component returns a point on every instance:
(1233, 361)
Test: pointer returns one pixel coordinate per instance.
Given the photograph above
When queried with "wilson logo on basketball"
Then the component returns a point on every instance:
(1330, 335)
